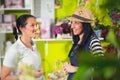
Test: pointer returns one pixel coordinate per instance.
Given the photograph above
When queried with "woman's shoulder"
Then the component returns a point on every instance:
(95, 45)
(13, 48)
(94, 39)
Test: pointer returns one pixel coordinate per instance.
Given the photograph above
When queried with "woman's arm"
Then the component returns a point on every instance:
(95, 47)
(5, 74)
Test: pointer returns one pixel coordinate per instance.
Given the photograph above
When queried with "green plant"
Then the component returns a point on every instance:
(115, 16)
(98, 27)
(101, 9)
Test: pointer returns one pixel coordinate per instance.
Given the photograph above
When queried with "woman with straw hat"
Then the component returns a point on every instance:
(84, 38)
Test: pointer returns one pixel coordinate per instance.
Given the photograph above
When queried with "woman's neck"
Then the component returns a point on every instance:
(26, 41)
(81, 38)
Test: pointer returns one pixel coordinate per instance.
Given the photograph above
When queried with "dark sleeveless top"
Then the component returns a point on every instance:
(72, 56)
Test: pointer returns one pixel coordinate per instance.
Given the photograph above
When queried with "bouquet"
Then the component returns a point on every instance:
(57, 74)
(26, 72)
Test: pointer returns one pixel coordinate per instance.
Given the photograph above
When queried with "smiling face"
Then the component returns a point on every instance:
(30, 28)
(77, 27)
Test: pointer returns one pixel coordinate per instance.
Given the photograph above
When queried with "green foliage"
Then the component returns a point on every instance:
(98, 67)
(82, 72)
(113, 39)
(67, 8)
(101, 9)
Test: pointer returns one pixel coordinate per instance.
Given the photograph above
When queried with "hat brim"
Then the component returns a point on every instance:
(76, 19)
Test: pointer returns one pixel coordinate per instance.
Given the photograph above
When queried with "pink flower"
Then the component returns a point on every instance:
(116, 16)
(43, 31)
(57, 30)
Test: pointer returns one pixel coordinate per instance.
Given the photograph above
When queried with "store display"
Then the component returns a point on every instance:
(61, 30)
(37, 36)
(44, 28)
(8, 18)
(14, 3)
(5, 27)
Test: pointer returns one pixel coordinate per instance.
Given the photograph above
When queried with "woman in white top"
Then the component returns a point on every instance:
(24, 50)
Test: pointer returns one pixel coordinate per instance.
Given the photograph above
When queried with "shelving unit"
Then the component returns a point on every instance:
(4, 9)
(53, 39)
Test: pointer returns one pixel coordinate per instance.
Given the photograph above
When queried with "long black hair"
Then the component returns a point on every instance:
(88, 32)
(21, 22)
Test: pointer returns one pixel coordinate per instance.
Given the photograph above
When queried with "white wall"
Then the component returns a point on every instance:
(47, 9)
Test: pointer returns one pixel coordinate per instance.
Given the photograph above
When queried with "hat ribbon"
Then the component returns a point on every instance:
(81, 18)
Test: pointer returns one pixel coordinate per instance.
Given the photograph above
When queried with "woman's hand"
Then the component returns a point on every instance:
(5, 74)
(69, 68)
(38, 73)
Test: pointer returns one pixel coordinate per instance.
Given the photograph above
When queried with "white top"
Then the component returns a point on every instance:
(18, 53)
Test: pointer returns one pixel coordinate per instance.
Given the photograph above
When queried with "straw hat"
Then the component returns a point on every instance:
(82, 15)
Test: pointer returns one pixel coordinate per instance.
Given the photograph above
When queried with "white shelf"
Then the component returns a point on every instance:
(52, 39)
(3, 9)
(6, 32)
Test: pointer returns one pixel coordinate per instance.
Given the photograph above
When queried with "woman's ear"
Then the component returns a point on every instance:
(21, 29)
(14, 25)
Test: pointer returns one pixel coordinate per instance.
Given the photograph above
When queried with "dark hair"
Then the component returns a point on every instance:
(88, 31)
(21, 22)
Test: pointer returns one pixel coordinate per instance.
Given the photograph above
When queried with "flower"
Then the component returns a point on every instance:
(26, 72)
(115, 16)
(63, 28)
(57, 30)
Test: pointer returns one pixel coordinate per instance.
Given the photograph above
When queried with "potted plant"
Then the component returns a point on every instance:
(98, 29)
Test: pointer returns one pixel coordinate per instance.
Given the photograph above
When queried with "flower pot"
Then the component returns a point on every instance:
(98, 33)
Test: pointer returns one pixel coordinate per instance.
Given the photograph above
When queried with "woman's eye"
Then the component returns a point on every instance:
(32, 25)
(76, 22)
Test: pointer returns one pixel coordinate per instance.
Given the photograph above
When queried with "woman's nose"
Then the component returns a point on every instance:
(35, 27)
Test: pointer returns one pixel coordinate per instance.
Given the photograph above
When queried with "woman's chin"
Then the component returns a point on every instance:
(75, 34)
